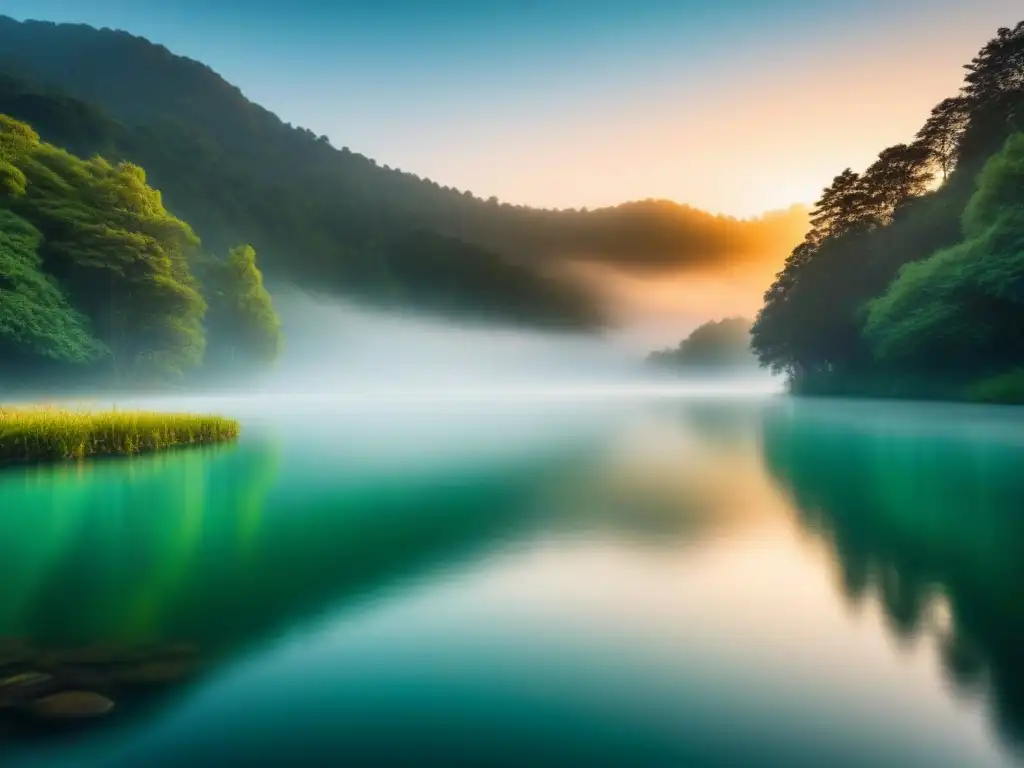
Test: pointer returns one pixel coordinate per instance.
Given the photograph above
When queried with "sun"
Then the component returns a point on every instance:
(775, 194)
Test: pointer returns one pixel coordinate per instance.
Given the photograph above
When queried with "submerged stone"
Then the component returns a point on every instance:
(25, 679)
(17, 688)
(71, 705)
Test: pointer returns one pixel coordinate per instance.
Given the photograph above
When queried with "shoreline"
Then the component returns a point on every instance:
(49, 434)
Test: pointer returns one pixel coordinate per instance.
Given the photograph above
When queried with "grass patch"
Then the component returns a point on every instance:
(52, 434)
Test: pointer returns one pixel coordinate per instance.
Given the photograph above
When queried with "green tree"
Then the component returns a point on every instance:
(36, 320)
(16, 140)
(993, 91)
(243, 327)
(942, 132)
(900, 174)
(996, 74)
(808, 323)
(122, 258)
(961, 309)
(843, 205)
(867, 226)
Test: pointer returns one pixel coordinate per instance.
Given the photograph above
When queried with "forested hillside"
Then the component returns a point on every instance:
(98, 281)
(332, 217)
(911, 280)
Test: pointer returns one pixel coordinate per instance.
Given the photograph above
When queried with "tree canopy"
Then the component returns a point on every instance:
(106, 236)
(36, 318)
(243, 327)
(95, 273)
(887, 287)
(964, 306)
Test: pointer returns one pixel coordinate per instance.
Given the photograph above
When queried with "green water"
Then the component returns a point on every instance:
(609, 582)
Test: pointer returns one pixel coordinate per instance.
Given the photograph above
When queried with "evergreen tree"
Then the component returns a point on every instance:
(942, 132)
(900, 174)
(842, 311)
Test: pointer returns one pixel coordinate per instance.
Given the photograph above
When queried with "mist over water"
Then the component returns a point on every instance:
(337, 348)
(559, 554)
(383, 389)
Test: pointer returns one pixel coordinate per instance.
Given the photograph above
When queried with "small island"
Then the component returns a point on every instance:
(54, 434)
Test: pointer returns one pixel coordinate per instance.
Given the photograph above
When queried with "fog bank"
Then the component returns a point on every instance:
(335, 347)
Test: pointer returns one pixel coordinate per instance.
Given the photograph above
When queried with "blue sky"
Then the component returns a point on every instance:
(734, 105)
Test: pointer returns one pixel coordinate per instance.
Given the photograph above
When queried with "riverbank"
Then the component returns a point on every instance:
(1000, 389)
(54, 434)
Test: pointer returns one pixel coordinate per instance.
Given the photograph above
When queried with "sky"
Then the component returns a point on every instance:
(733, 106)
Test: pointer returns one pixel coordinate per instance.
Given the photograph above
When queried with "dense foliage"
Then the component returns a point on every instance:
(890, 293)
(97, 276)
(964, 306)
(718, 345)
(105, 235)
(320, 216)
(36, 320)
(244, 327)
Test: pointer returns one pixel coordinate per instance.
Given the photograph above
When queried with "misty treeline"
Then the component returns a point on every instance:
(717, 346)
(911, 279)
(331, 218)
(100, 282)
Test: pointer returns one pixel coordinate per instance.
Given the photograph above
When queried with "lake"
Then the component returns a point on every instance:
(538, 580)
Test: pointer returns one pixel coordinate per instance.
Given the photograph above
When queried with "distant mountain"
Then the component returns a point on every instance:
(331, 217)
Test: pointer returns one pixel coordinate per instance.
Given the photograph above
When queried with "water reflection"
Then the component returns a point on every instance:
(673, 474)
(105, 552)
(207, 548)
(623, 583)
(923, 509)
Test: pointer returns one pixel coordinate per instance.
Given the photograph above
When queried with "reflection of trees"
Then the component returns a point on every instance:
(920, 518)
(213, 548)
(96, 548)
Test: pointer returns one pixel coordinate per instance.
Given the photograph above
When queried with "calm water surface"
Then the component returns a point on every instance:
(566, 581)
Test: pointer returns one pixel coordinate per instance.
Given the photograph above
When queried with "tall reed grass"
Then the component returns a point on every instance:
(47, 434)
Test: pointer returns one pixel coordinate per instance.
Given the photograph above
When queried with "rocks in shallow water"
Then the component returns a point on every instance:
(55, 685)
(25, 680)
(70, 705)
(15, 689)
